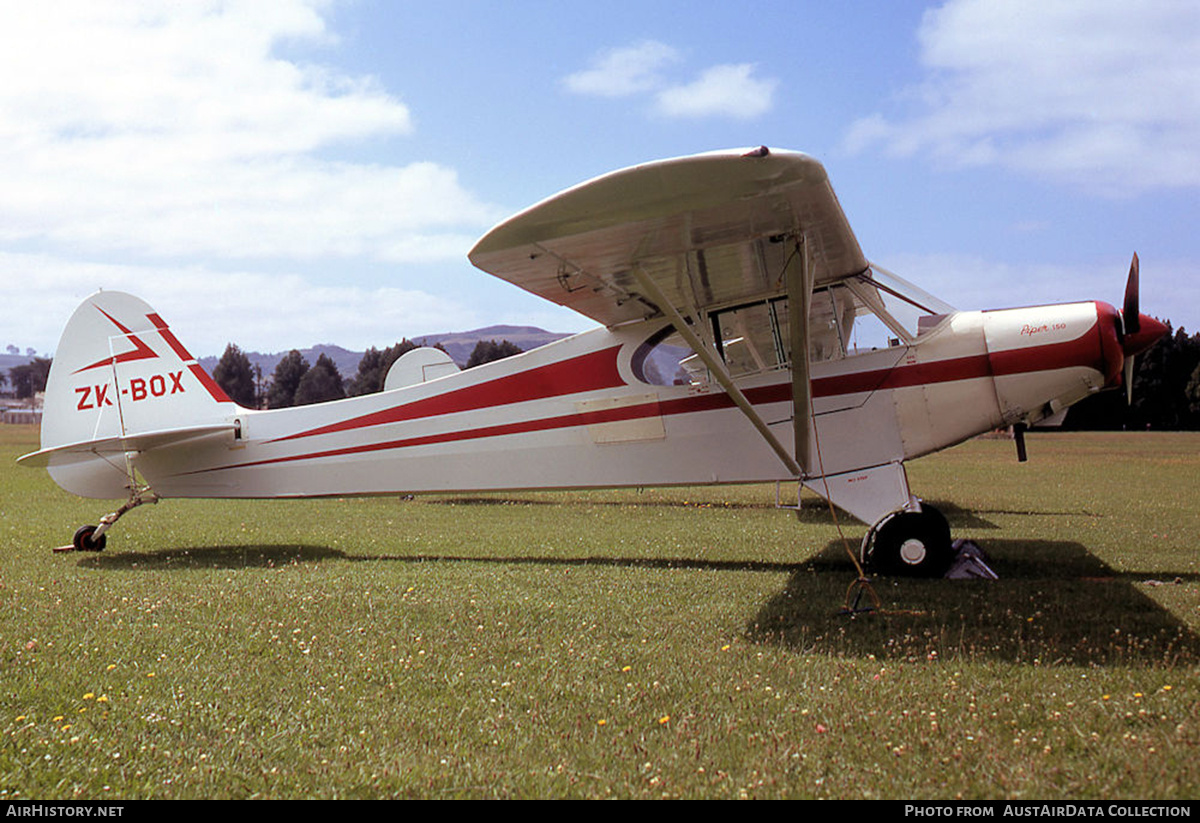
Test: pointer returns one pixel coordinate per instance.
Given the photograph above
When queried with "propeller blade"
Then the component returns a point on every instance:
(1131, 313)
(1135, 334)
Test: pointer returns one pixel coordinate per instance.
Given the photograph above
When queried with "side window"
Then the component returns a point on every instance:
(666, 360)
(752, 338)
(755, 338)
(830, 323)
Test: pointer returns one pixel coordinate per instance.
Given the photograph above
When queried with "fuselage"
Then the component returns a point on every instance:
(588, 412)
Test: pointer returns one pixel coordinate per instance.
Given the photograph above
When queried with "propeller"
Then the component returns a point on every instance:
(1135, 331)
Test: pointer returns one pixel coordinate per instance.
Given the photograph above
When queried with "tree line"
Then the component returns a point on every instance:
(28, 379)
(296, 382)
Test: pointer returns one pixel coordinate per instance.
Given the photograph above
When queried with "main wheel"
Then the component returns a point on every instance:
(912, 544)
(84, 542)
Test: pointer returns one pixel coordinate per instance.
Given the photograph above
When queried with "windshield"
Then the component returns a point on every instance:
(893, 310)
(906, 302)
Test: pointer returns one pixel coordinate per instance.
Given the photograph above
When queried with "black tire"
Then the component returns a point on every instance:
(84, 542)
(912, 544)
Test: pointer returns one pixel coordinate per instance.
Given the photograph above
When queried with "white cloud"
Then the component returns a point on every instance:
(208, 308)
(624, 71)
(729, 90)
(177, 129)
(1101, 93)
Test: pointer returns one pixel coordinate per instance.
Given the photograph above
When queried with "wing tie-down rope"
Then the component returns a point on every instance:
(862, 583)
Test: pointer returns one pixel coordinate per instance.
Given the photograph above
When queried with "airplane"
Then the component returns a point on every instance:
(706, 274)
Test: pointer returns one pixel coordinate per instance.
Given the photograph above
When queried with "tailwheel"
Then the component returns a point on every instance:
(93, 538)
(85, 540)
(911, 544)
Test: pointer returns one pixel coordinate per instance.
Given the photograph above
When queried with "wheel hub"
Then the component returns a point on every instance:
(912, 551)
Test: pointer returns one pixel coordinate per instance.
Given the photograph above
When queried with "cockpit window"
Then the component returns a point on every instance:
(750, 338)
(874, 310)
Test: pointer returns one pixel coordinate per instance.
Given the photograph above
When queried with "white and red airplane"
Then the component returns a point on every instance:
(706, 273)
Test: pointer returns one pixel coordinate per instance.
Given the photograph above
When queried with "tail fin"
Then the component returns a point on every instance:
(120, 381)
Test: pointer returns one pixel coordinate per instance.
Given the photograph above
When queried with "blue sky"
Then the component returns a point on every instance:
(284, 173)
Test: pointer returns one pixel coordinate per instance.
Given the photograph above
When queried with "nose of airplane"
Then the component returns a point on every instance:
(1123, 336)
(1141, 336)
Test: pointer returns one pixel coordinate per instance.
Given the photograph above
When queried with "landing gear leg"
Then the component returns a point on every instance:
(911, 544)
(92, 538)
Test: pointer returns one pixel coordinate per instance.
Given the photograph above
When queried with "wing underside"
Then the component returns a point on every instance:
(709, 230)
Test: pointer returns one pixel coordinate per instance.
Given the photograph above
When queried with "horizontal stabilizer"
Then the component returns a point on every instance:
(141, 442)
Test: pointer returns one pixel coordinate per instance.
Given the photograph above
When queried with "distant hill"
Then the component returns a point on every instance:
(458, 344)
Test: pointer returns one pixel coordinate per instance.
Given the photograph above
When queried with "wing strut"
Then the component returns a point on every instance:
(798, 276)
(717, 368)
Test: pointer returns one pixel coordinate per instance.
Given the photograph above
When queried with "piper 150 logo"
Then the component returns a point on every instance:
(1030, 330)
(139, 388)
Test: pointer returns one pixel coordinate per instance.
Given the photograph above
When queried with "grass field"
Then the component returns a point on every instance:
(661, 643)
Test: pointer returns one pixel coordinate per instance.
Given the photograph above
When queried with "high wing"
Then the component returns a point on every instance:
(708, 230)
(680, 238)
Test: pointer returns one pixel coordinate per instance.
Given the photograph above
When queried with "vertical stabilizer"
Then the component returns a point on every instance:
(119, 372)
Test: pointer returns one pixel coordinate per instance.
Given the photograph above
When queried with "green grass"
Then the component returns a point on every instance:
(663, 643)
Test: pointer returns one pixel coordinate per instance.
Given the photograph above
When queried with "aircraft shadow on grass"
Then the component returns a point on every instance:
(649, 502)
(212, 557)
(265, 556)
(812, 510)
(1055, 603)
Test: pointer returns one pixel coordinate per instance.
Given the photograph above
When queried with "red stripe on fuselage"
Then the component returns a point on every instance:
(589, 372)
(1085, 350)
(520, 427)
(1072, 353)
(898, 377)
